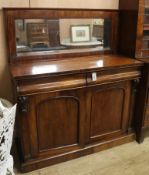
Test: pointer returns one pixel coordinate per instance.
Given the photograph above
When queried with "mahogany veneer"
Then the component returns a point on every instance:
(134, 22)
(71, 104)
(77, 65)
(65, 114)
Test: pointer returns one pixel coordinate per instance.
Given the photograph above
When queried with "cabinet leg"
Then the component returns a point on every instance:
(140, 137)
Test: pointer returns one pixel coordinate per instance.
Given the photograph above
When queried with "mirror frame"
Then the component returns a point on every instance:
(11, 14)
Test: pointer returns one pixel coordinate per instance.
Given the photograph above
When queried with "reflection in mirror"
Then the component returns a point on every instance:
(62, 34)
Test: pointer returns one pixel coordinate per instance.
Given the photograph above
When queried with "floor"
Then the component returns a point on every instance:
(127, 159)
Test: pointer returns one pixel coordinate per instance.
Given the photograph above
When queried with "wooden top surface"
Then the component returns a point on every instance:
(73, 65)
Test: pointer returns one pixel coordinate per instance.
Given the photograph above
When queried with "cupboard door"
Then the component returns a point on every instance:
(56, 122)
(109, 110)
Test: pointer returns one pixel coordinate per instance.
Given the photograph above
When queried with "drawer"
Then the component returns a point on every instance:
(51, 83)
(110, 76)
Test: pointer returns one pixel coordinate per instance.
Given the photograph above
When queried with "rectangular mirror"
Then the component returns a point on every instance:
(36, 35)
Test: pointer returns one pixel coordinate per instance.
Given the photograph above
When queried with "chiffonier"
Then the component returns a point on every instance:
(76, 95)
(134, 22)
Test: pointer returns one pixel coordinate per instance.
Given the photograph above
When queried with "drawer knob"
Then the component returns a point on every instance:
(94, 76)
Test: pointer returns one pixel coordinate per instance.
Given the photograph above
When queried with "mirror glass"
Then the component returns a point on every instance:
(36, 35)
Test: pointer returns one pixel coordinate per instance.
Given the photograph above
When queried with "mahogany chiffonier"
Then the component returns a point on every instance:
(75, 94)
(134, 22)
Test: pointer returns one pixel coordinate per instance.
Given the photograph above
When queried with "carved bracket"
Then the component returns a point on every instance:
(23, 104)
(135, 85)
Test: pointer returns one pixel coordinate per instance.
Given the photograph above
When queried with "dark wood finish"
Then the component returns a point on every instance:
(134, 22)
(90, 149)
(108, 120)
(55, 122)
(128, 26)
(141, 122)
(132, 19)
(146, 122)
(63, 106)
(77, 65)
(73, 106)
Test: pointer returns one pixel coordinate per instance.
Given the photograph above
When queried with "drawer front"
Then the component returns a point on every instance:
(51, 83)
(109, 76)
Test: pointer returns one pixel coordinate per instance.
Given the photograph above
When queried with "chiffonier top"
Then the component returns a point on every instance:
(73, 65)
